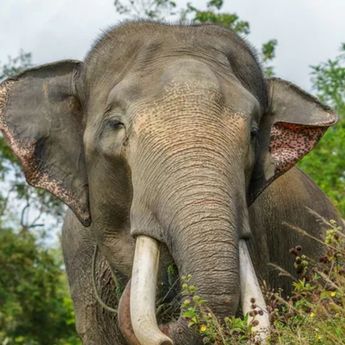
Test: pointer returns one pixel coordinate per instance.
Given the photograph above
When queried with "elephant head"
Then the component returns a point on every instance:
(167, 133)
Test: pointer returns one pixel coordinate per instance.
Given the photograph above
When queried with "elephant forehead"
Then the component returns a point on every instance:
(180, 103)
(196, 128)
(189, 69)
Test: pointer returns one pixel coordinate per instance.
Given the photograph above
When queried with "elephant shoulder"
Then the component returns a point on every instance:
(293, 194)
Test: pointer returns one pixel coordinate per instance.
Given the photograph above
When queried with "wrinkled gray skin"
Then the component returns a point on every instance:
(166, 131)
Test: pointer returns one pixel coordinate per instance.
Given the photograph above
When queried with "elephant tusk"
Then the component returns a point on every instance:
(250, 289)
(143, 293)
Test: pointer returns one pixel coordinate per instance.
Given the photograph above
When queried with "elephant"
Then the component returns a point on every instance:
(170, 147)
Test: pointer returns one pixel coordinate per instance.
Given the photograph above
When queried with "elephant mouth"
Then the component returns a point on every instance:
(137, 308)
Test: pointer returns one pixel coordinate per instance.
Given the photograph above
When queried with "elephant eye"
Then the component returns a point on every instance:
(114, 124)
(254, 132)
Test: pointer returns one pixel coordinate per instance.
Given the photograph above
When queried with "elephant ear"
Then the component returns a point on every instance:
(41, 119)
(293, 125)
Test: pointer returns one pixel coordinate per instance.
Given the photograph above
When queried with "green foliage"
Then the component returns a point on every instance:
(161, 9)
(326, 163)
(268, 54)
(314, 314)
(213, 15)
(34, 305)
(329, 81)
(153, 9)
(230, 331)
(15, 65)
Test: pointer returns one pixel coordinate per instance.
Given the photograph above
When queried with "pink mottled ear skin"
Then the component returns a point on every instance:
(290, 142)
(293, 124)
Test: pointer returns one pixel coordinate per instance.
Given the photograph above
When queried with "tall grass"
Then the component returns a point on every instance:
(314, 314)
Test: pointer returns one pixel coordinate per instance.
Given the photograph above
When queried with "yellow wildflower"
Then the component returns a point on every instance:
(203, 328)
(333, 294)
(312, 315)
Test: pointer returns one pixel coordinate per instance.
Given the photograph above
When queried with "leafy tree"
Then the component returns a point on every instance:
(34, 307)
(153, 9)
(213, 14)
(162, 9)
(267, 55)
(15, 65)
(326, 163)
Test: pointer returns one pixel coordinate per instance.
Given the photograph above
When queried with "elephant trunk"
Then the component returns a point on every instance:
(208, 251)
(206, 247)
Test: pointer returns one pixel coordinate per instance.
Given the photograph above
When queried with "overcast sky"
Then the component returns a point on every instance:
(308, 31)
